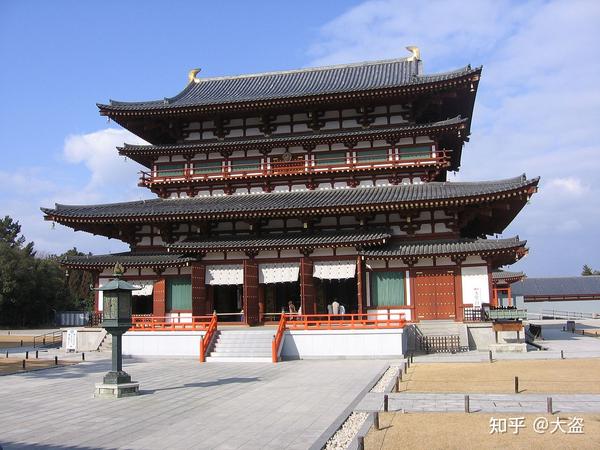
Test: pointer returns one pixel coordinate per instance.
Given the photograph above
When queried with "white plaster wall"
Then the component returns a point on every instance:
(303, 344)
(475, 285)
(394, 314)
(162, 343)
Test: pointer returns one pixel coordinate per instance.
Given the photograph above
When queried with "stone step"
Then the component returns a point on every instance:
(241, 353)
(244, 341)
(242, 345)
(238, 359)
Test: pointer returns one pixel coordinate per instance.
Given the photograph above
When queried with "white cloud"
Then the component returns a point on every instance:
(95, 174)
(97, 151)
(537, 107)
(570, 186)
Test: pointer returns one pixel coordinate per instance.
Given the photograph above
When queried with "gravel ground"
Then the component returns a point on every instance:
(343, 437)
(346, 433)
(388, 376)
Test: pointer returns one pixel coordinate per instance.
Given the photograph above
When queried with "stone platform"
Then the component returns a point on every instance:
(105, 390)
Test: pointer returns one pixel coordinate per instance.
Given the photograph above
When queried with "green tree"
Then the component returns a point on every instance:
(32, 288)
(78, 283)
(587, 270)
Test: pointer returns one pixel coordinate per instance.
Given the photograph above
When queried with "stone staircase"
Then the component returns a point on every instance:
(247, 345)
(444, 328)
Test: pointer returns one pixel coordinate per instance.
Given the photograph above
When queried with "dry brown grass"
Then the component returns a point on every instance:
(472, 431)
(14, 340)
(15, 364)
(569, 376)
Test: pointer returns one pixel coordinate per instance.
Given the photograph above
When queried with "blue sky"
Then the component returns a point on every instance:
(537, 108)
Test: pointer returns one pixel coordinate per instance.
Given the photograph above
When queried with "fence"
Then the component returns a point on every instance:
(440, 344)
(54, 338)
(474, 315)
(150, 323)
(556, 314)
(344, 321)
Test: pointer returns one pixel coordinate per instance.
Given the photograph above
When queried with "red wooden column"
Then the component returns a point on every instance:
(307, 286)
(199, 297)
(251, 311)
(360, 284)
(159, 298)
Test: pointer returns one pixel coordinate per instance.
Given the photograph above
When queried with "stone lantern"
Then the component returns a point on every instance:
(116, 319)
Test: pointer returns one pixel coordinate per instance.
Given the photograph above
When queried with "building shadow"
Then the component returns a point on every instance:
(4, 445)
(203, 384)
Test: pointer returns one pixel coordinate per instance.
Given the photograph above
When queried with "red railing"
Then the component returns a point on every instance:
(345, 321)
(206, 340)
(357, 162)
(152, 323)
(278, 338)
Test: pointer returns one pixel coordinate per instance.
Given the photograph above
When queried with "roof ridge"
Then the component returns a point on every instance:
(306, 69)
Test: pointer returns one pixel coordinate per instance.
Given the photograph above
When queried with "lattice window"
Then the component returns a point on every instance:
(416, 152)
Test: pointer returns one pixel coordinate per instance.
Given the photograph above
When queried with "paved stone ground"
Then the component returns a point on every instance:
(184, 404)
(488, 403)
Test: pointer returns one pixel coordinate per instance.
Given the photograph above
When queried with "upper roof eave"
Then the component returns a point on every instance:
(282, 241)
(462, 246)
(130, 149)
(428, 195)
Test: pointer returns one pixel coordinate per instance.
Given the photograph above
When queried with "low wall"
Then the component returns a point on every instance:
(483, 338)
(297, 344)
(88, 339)
(304, 344)
(162, 343)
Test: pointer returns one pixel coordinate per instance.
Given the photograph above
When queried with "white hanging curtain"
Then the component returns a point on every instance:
(278, 273)
(147, 286)
(225, 274)
(334, 270)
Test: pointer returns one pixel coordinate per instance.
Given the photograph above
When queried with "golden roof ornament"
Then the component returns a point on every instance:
(192, 76)
(416, 53)
(118, 270)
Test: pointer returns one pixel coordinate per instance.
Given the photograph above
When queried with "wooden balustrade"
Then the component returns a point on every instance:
(278, 337)
(152, 323)
(345, 321)
(208, 337)
(300, 166)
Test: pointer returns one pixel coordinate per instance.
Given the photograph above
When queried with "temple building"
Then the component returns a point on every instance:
(308, 186)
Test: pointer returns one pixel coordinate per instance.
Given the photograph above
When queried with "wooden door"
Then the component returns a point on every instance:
(250, 294)
(307, 287)
(434, 295)
(200, 306)
(159, 298)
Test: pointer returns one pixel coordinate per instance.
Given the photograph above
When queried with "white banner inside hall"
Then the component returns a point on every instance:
(278, 273)
(225, 274)
(147, 286)
(334, 270)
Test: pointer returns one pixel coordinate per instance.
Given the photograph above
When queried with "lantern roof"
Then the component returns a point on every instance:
(117, 284)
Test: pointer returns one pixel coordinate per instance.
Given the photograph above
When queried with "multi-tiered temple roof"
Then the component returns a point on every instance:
(331, 166)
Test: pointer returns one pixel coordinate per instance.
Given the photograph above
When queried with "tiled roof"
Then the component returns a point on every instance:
(127, 259)
(345, 78)
(316, 137)
(282, 241)
(502, 275)
(301, 202)
(444, 247)
(558, 287)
